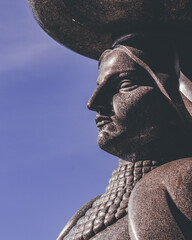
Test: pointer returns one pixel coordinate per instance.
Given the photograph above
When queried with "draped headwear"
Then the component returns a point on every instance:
(157, 54)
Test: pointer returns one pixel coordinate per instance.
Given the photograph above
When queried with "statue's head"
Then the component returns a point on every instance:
(137, 100)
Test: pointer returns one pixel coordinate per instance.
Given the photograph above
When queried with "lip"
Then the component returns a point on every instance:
(102, 120)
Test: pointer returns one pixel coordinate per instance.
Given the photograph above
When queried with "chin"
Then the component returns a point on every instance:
(115, 144)
(111, 134)
(123, 143)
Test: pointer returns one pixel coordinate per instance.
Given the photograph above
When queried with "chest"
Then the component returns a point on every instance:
(117, 231)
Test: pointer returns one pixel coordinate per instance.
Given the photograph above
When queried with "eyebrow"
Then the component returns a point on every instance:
(114, 76)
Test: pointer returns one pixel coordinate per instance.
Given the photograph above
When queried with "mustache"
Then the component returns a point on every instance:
(100, 118)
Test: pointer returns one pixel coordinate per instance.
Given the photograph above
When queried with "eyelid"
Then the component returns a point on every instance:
(124, 80)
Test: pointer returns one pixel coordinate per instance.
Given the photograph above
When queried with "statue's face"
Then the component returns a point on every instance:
(131, 110)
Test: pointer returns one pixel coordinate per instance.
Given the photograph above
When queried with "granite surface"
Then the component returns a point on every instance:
(160, 206)
(90, 27)
(106, 217)
(142, 117)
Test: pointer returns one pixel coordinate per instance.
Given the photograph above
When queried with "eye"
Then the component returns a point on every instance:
(126, 85)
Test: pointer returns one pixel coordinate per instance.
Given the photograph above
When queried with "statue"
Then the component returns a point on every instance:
(146, 121)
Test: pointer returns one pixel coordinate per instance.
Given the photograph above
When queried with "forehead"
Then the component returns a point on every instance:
(114, 62)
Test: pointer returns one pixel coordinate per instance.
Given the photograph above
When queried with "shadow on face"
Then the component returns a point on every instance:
(132, 112)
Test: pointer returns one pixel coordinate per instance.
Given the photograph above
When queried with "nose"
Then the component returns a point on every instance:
(95, 103)
(99, 101)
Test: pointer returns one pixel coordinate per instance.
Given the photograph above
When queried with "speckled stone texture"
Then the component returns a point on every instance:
(107, 216)
(160, 206)
(89, 27)
(130, 105)
(140, 112)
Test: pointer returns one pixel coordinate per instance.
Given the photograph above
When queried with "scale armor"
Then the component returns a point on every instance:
(113, 204)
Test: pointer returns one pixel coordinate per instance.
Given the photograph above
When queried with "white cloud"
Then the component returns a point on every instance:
(21, 55)
(22, 40)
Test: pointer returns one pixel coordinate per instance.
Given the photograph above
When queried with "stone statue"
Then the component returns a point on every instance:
(146, 121)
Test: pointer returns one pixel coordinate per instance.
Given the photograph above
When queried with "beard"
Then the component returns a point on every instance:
(114, 138)
(120, 140)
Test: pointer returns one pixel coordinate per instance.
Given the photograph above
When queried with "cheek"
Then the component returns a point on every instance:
(133, 102)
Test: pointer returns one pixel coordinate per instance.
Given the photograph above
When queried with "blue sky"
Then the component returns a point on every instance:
(50, 162)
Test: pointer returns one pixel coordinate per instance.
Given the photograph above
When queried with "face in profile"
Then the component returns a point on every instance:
(131, 110)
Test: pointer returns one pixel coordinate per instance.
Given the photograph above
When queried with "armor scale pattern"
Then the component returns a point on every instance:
(113, 204)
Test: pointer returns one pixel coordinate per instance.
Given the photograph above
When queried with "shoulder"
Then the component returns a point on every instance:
(173, 180)
(170, 174)
(72, 222)
(174, 175)
(162, 199)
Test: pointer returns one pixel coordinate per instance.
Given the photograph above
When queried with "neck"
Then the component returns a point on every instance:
(175, 146)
